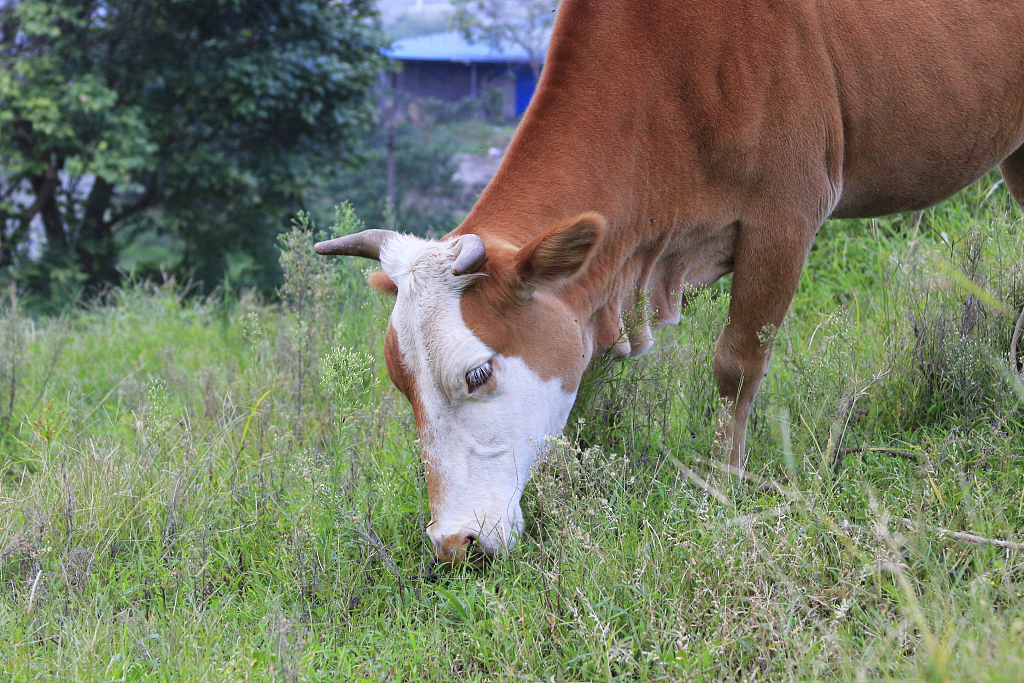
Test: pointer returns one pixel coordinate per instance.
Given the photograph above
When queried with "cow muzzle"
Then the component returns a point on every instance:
(458, 544)
(466, 547)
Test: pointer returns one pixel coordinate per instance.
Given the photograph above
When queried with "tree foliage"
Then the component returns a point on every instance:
(171, 133)
(427, 200)
(500, 23)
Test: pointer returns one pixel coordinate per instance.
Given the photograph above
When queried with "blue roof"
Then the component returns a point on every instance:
(452, 47)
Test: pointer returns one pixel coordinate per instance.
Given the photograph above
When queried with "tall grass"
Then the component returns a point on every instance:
(230, 490)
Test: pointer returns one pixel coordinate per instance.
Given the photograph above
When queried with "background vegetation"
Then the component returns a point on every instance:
(429, 138)
(176, 136)
(147, 139)
(525, 24)
(221, 489)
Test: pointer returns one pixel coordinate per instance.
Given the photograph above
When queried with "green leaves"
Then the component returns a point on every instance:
(525, 24)
(347, 375)
(208, 120)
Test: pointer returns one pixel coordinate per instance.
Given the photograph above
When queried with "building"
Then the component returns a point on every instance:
(446, 67)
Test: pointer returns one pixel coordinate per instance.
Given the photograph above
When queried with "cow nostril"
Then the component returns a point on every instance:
(477, 553)
(465, 546)
(474, 551)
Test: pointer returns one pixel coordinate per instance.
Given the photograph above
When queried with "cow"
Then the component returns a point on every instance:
(670, 142)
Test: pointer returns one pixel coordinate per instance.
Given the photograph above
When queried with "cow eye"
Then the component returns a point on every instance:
(478, 376)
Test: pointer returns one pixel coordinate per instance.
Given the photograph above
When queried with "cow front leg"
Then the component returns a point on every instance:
(767, 267)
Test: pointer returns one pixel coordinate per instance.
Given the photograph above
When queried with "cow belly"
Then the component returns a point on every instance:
(911, 167)
(930, 103)
(879, 195)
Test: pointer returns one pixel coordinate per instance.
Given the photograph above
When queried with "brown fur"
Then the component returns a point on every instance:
(380, 281)
(558, 252)
(716, 137)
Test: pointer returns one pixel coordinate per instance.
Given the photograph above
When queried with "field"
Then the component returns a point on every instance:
(221, 489)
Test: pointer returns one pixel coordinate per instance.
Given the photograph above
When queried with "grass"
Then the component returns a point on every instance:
(230, 490)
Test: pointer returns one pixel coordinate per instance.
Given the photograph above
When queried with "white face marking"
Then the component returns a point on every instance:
(479, 447)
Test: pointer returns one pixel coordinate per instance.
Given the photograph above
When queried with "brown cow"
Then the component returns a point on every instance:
(669, 143)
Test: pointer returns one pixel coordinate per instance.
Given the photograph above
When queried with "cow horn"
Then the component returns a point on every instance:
(470, 254)
(366, 244)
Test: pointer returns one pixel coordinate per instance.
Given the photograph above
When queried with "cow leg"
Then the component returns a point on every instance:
(767, 267)
(1012, 169)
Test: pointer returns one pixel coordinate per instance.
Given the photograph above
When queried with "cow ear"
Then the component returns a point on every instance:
(559, 252)
(380, 281)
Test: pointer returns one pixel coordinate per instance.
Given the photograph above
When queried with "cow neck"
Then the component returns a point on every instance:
(615, 138)
(651, 253)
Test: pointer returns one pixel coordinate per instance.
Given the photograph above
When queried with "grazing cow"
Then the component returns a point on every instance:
(671, 142)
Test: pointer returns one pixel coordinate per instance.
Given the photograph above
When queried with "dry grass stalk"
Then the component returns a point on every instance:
(906, 455)
(969, 538)
(371, 537)
(1013, 345)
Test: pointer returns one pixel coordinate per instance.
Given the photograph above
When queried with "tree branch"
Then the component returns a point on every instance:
(969, 538)
(11, 185)
(44, 187)
(144, 202)
(374, 541)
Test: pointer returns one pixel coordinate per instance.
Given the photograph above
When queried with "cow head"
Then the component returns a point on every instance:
(490, 356)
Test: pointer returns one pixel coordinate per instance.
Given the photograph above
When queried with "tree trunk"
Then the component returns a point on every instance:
(45, 187)
(95, 248)
(392, 180)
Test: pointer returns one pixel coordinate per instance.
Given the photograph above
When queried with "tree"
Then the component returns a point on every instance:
(418, 181)
(499, 23)
(192, 124)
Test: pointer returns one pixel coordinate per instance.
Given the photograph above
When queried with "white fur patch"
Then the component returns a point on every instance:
(480, 447)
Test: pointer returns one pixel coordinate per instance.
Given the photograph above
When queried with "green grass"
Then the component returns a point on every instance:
(213, 490)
